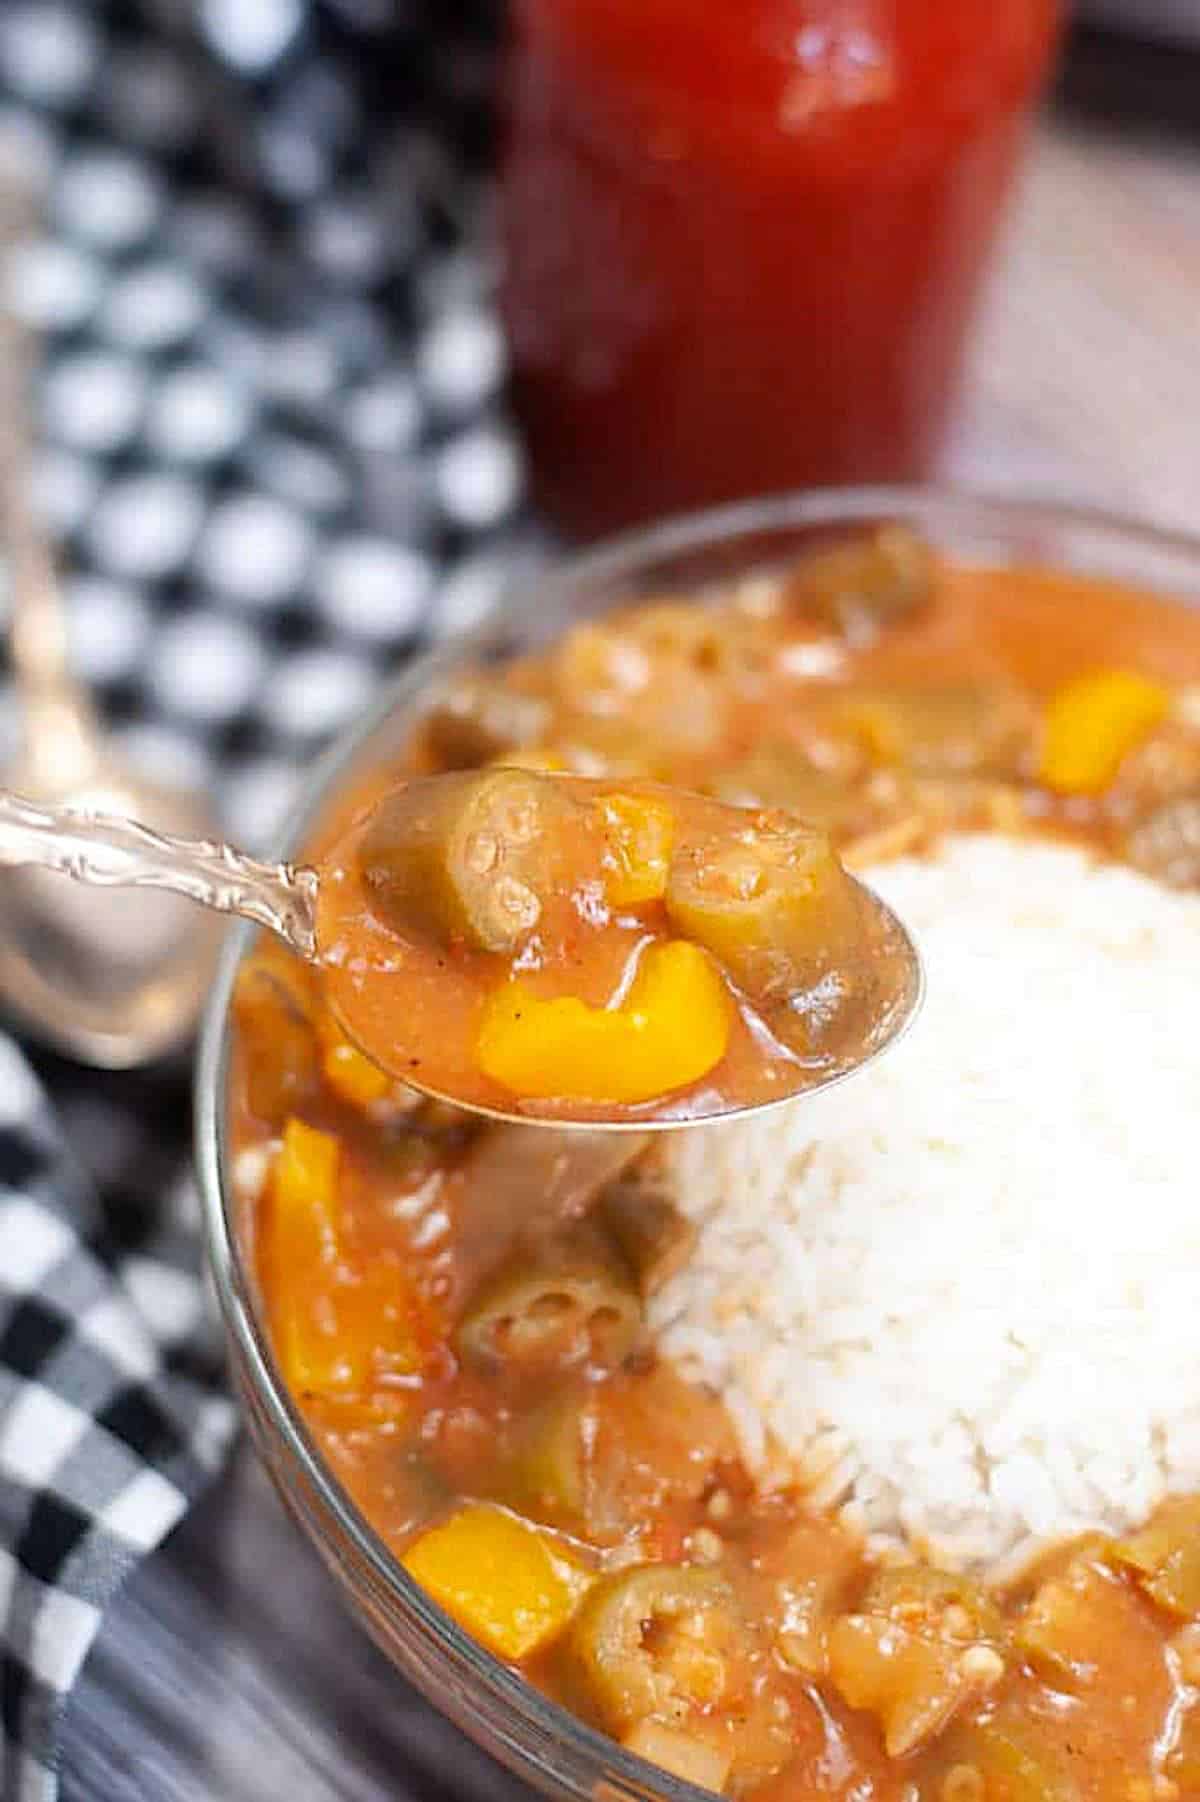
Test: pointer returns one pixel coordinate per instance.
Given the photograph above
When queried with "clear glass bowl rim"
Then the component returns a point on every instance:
(536, 1737)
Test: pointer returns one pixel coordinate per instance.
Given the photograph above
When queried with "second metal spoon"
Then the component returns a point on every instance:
(100, 984)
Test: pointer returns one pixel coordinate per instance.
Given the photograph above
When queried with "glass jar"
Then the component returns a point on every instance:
(742, 239)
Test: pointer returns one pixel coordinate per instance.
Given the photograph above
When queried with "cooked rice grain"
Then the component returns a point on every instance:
(960, 1293)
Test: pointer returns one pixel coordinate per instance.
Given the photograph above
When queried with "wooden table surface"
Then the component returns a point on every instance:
(227, 1671)
(1085, 373)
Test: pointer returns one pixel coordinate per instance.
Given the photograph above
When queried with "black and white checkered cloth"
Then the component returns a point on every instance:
(111, 1409)
(275, 459)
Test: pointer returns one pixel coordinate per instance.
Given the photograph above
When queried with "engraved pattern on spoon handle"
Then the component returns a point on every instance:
(111, 852)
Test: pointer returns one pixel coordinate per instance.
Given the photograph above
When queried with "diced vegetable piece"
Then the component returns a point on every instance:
(1165, 1557)
(864, 584)
(468, 857)
(278, 1047)
(913, 1685)
(313, 1360)
(671, 1030)
(643, 682)
(921, 1645)
(944, 1603)
(1066, 1620)
(659, 1640)
(301, 1234)
(1092, 723)
(1166, 844)
(607, 1460)
(782, 775)
(304, 1192)
(715, 642)
(683, 1754)
(333, 1325)
(1001, 1759)
(600, 666)
(774, 907)
(652, 1442)
(509, 1583)
(977, 729)
(547, 1475)
(639, 833)
(812, 1569)
(337, 1333)
(481, 719)
(563, 1301)
(348, 1071)
(1088, 1633)
(524, 1181)
(654, 1237)
(532, 1178)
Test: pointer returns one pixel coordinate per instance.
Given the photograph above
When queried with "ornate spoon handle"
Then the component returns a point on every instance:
(111, 852)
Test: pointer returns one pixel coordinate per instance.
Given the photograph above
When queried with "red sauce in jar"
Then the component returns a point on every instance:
(742, 241)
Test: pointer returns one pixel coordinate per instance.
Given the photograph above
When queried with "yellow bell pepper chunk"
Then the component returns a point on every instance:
(671, 1030)
(317, 1355)
(509, 1583)
(304, 1192)
(640, 833)
(348, 1072)
(301, 1246)
(334, 1326)
(336, 1336)
(1092, 723)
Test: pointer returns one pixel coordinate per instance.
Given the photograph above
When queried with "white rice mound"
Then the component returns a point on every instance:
(959, 1294)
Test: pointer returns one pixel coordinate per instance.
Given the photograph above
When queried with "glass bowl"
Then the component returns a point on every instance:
(534, 1736)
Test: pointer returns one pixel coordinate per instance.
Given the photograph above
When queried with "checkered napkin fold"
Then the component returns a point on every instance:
(112, 1413)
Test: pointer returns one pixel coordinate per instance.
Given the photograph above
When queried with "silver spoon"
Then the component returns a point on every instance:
(283, 897)
(104, 984)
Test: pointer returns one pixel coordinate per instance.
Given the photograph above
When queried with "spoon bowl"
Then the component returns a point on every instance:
(900, 1019)
(114, 984)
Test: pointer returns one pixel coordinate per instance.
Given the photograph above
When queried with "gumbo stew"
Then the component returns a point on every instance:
(459, 1307)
